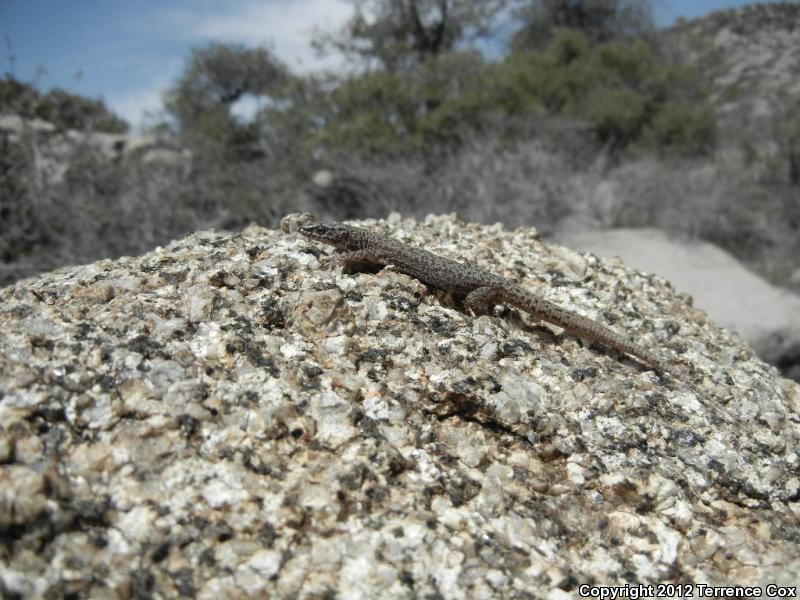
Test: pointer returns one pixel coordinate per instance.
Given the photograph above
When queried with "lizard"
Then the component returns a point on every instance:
(480, 289)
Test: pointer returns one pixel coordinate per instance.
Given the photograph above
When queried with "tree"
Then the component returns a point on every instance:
(215, 78)
(400, 34)
(599, 20)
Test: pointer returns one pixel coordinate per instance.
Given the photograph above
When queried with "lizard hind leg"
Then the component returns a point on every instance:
(481, 300)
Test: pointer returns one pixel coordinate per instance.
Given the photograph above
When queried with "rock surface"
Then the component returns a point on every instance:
(232, 416)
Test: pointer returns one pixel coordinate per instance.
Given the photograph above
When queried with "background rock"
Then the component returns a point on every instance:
(766, 316)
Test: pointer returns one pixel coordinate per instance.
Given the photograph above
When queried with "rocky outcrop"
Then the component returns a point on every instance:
(751, 55)
(52, 149)
(233, 416)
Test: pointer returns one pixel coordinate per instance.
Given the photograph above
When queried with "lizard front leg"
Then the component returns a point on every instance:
(348, 260)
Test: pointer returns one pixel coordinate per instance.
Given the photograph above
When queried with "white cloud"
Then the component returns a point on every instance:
(246, 108)
(134, 106)
(284, 26)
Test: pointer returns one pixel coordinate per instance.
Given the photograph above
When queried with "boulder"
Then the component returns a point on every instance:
(234, 416)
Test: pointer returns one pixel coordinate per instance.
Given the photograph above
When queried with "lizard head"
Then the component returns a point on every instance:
(335, 234)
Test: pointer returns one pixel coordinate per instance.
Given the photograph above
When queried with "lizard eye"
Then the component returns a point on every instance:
(313, 229)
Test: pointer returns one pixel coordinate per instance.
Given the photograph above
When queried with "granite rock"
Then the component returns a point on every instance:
(232, 415)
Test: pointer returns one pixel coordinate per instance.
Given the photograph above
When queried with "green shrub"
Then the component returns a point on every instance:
(629, 64)
(435, 103)
(618, 114)
(684, 128)
(621, 88)
(556, 78)
(18, 98)
(70, 111)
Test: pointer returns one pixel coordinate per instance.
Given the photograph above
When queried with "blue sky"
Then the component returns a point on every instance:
(128, 52)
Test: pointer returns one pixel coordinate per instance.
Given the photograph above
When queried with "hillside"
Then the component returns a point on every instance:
(751, 55)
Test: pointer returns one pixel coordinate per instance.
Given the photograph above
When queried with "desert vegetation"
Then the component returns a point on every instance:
(587, 117)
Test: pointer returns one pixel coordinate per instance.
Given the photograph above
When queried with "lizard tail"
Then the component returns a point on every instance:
(579, 325)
